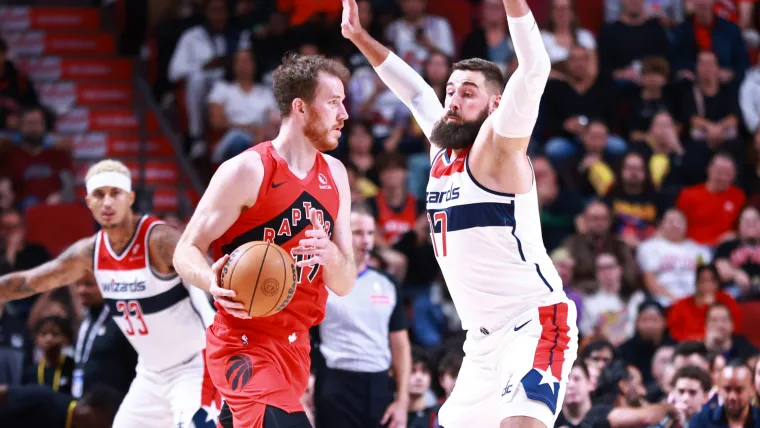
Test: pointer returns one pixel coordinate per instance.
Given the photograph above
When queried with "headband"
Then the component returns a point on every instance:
(109, 179)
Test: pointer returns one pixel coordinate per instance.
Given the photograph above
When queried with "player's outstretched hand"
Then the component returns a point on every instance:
(318, 249)
(223, 296)
(350, 25)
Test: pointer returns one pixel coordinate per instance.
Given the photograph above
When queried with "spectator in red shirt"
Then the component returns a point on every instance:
(712, 208)
(39, 174)
(688, 317)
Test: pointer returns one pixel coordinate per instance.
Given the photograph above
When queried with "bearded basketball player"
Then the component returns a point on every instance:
(164, 320)
(483, 215)
(287, 192)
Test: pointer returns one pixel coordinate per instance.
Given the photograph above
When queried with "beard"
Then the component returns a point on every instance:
(455, 136)
(317, 133)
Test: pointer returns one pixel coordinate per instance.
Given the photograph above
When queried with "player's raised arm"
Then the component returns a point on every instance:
(515, 117)
(335, 253)
(220, 206)
(68, 267)
(408, 86)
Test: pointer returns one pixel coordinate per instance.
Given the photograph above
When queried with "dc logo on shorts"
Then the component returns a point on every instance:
(239, 371)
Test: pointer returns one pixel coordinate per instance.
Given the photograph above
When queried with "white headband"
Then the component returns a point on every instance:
(109, 179)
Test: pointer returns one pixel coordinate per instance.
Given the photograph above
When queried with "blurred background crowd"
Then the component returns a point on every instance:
(646, 157)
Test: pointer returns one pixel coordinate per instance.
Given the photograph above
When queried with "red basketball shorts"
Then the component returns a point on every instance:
(253, 369)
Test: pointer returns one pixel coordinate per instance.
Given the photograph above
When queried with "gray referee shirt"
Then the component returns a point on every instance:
(354, 334)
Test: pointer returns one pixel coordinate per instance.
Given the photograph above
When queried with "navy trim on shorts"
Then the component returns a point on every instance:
(154, 304)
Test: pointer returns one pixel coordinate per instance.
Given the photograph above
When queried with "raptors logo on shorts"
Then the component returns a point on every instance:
(239, 371)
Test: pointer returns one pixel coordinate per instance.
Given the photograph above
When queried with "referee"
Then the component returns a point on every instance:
(362, 336)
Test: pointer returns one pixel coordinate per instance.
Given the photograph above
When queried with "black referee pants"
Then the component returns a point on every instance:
(351, 399)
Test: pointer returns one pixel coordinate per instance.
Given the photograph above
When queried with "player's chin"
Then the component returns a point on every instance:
(330, 143)
(106, 221)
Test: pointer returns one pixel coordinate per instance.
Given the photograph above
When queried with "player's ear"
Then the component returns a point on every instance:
(493, 102)
(298, 106)
(131, 197)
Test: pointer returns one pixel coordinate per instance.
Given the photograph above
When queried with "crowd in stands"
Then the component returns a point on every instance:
(646, 160)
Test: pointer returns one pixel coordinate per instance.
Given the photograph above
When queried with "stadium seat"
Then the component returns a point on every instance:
(57, 226)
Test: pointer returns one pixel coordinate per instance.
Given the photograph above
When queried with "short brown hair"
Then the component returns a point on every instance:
(694, 373)
(298, 75)
(491, 71)
(655, 65)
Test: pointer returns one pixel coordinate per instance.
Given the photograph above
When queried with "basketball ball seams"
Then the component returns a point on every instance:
(258, 277)
(230, 260)
(282, 289)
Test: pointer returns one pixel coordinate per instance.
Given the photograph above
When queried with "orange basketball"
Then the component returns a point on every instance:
(263, 275)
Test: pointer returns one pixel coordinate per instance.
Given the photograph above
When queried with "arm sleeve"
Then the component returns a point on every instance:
(518, 110)
(412, 90)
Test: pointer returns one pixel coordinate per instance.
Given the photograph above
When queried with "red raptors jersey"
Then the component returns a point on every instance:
(280, 216)
(394, 223)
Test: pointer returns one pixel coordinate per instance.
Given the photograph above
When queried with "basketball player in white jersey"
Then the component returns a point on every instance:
(164, 320)
(483, 213)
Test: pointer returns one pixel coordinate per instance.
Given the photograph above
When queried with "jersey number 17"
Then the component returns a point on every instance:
(442, 218)
(299, 269)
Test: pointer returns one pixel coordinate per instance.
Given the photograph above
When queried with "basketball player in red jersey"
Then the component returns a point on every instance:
(289, 193)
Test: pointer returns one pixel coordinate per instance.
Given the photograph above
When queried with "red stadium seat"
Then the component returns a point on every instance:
(57, 226)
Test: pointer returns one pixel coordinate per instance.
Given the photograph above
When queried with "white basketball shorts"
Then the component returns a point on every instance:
(519, 370)
(180, 396)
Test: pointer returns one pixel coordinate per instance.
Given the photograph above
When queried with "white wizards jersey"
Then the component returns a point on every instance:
(489, 246)
(155, 313)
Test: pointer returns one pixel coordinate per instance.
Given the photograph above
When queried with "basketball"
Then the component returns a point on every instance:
(262, 275)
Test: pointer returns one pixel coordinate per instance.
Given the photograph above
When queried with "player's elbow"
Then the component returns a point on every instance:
(541, 68)
(177, 260)
(180, 256)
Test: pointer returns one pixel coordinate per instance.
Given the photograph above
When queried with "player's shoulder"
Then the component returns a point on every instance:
(334, 163)
(160, 232)
(337, 169)
(245, 165)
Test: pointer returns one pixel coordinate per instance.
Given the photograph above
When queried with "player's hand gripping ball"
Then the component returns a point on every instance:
(258, 279)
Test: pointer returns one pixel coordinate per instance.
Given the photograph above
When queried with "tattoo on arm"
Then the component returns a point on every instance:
(68, 267)
(163, 241)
